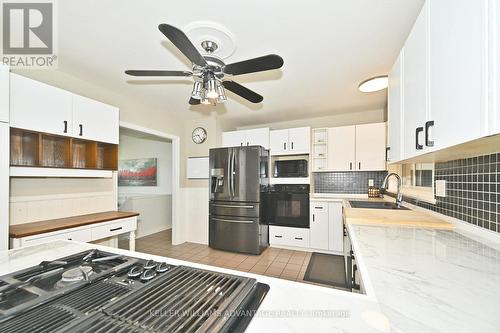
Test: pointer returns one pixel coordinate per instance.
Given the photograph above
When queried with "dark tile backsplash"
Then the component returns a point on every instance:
(350, 182)
(472, 191)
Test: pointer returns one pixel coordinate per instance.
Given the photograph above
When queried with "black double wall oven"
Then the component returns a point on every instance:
(287, 205)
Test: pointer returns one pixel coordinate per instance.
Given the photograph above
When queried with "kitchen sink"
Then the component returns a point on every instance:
(375, 205)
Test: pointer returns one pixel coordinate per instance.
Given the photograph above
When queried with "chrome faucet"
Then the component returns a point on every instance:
(385, 185)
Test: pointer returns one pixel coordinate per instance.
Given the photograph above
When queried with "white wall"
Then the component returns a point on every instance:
(133, 148)
(153, 203)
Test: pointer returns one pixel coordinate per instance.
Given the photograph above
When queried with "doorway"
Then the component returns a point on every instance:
(148, 182)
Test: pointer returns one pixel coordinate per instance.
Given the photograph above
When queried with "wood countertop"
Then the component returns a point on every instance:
(389, 217)
(41, 227)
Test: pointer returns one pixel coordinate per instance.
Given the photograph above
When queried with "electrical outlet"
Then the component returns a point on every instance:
(371, 182)
(440, 188)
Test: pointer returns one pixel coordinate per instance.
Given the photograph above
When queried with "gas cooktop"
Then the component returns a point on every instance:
(99, 291)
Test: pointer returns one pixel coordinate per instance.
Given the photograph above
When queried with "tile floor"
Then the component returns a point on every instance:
(280, 263)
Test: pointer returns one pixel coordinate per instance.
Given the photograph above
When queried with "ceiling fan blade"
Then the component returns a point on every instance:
(157, 73)
(246, 93)
(182, 42)
(264, 63)
(194, 101)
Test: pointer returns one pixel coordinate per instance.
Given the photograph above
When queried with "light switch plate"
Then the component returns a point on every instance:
(370, 182)
(440, 188)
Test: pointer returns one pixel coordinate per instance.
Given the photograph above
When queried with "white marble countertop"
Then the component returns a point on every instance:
(288, 307)
(430, 281)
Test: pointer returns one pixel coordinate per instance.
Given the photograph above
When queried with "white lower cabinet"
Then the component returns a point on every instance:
(286, 236)
(87, 233)
(335, 227)
(318, 224)
(325, 233)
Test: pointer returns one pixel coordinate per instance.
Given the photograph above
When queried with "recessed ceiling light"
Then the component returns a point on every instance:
(374, 84)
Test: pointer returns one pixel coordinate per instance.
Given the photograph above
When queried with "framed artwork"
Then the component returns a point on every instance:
(138, 172)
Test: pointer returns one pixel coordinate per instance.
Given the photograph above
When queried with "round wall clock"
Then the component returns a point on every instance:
(199, 135)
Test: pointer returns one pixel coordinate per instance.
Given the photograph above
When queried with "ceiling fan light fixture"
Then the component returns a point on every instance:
(197, 90)
(205, 101)
(374, 84)
(212, 88)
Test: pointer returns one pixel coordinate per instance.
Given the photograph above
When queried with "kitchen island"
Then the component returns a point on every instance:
(288, 307)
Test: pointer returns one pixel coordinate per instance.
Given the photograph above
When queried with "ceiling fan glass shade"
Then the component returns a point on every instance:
(205, 101)
(374, 84)
(222, 94)
(197, 90)
(212, 89)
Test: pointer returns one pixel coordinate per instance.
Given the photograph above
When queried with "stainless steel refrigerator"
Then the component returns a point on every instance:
(238, 181)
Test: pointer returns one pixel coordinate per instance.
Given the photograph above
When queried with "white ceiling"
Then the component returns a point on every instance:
(328, 47)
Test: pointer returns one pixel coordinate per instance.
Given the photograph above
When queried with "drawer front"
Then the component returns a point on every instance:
(77, 235)
(319, 207)
(286, 236)
(222, 208)
(113, 229)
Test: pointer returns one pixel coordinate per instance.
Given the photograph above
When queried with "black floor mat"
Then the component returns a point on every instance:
(326, 269)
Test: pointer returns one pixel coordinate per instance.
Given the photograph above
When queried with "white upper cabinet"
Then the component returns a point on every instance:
(447, 69)
(251, 137)
(458, 70)
(341, 148)
(4, 93)
(300, 140)
(292, 141)
(257, 137)
(494, 78)
(415, 83)
(370, 147)
(395, 111)
(233, 138)
(43, 108)
(278, 141)
(39, 107)
(96, 121)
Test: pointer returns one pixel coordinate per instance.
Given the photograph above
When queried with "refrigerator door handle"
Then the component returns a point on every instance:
(233, 172)
(229, 172)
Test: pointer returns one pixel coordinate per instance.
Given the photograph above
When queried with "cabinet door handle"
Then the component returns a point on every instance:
(65, 126)
(318, 207)
(298, 238)
(292, 145)
(81, 129)
(359, 166)
(116, 229)
(313, 217)
(278, 236)
(247, 143)
(387, 154)
(428, 143)
(418, 146)
(350, 165)
(284, 145)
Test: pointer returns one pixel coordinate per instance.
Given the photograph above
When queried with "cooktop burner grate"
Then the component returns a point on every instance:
(42, 319)
(94, 296)
(189, 300)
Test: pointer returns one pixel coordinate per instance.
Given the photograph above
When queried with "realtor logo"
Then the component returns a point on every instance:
(28, 34)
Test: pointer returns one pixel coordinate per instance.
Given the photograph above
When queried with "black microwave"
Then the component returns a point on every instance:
(290, 168)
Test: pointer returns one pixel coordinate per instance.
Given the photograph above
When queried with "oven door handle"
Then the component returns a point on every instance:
(231, 221)
(233, 206)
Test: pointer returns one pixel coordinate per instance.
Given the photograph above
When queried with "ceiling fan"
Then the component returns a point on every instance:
(210, 72)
